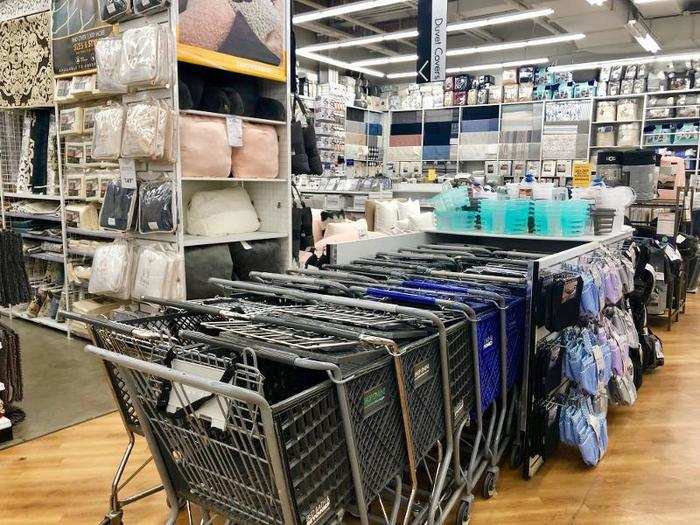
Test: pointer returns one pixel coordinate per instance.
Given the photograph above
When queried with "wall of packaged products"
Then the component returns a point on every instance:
(125, 186)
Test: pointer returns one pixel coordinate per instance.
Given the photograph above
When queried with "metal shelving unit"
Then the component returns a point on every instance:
(271, 197)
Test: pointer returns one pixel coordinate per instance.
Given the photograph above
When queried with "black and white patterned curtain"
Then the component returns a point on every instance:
(26, 69)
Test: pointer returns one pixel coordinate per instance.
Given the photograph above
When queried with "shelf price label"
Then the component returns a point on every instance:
(127, 173)
(582, 175)
(234, 130)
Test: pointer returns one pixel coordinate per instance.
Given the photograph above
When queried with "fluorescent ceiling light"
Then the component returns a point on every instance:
(596, 2)
(343, 10)
(406, 74)
(642, 2)
(482, 67)
(362, 41)
(691, 55)
(340, 64)
(497, 20)
(490, 48)
(643, 36)
(502, 65)
(413, 33)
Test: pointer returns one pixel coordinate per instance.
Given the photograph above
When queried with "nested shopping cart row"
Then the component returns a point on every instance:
(297, 398)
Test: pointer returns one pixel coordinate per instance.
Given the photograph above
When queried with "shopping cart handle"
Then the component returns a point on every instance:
(113, 326)
(193, 307)
(400, 296)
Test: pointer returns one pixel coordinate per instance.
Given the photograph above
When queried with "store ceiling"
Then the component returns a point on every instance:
(673, 22)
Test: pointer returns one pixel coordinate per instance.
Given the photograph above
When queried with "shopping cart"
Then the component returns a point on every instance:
(225, 440)
(142, 338)
(424, 364)
(464, 382)
(143, 343)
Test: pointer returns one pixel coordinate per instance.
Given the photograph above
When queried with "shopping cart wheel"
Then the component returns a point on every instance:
(464, 514)
(113, 518)
(488, 489)
(516, 456)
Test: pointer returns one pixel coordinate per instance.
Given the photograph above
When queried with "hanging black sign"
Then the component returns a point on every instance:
(432, 40)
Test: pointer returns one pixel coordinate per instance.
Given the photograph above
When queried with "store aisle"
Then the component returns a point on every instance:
(650, 474)
(62, 385)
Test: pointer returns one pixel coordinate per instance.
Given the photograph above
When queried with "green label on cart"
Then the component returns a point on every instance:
(422, 372)
(373, 400)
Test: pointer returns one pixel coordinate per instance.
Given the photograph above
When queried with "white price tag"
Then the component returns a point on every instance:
(234, 128)
(127, 173)
(246, 246)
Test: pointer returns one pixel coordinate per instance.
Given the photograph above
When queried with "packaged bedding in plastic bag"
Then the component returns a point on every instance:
(157, 209)
(158, 271)
(107, 134)
(111, 270)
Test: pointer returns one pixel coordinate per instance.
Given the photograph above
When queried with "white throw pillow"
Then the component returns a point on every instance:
(221, 212)
(386, 215)
(424, 221)
(404, 225)
(408, 209)
(334, 228)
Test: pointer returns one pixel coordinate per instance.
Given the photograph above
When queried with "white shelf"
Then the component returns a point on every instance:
(529, 236)
(33, 196)
(340, 192)
(101, 234)
(229, 179)
(417, 188)
(52, 257)
(616, 97)
(225, 115)
(194, 240)
(44, 321)
(355, 210)
(36, 237)
(615, 147)
(670, 145)
(35, 216)
(672, 119)
(673, 92)
(610, 122)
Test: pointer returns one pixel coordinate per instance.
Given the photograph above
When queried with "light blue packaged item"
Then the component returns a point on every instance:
(493, 215)
(451, 199)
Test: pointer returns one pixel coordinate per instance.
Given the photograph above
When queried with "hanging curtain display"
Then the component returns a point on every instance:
(14, 284)
(26, 71)
(10, 366)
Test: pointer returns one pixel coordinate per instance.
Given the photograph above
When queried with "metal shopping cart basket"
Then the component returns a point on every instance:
(426, 387)
(142, 338)
(240, 436)
(464, 382)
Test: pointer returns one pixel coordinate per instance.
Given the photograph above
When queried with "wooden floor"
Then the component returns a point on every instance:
(651, 473)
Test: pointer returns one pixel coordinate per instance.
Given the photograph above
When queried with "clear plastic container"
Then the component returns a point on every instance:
(493, 215)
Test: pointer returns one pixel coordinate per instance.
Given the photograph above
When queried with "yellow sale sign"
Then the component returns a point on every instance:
(582, 174)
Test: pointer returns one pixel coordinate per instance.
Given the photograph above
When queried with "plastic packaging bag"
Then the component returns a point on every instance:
(141, 128)
(107, 135)
(146, 56)
(156, 269)
(114, 10)
(118, 208)
(142, 7)
(157, 210)
(108, 56)
(111, 270)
